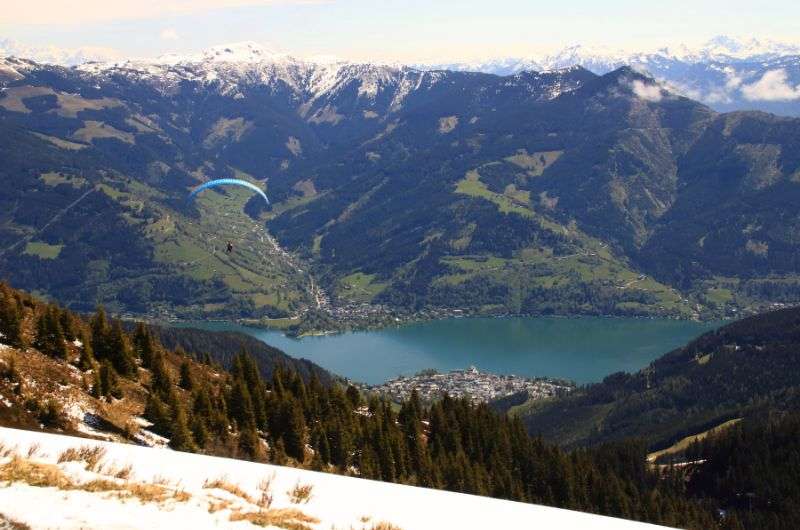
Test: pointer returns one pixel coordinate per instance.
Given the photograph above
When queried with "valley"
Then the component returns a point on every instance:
(398, 195)
(433, 265)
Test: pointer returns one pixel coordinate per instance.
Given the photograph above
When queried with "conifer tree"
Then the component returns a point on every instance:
(186, 380)
(180, 435)
(67, 322)
(143, 344)
(279, 453)
(295, 435)
(249, 443)
(10, 318)
(100, 332)
(199, 431)
(49, 338)
(119, 351)
(160, 380)
(156, 412)
(86, 360)
(240, 406)
(108, 381)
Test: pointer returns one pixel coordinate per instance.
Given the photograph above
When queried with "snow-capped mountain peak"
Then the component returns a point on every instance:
(247, 52)
(56, 55)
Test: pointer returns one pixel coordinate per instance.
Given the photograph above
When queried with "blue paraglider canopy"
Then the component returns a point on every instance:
(223, 182)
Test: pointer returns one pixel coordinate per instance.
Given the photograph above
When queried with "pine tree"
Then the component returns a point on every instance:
(119, 351)
(67, 322)
(156, 412)
(199, 431)
(295, 434)
(87, 360)
(49, 337)
(279, 453)
(108, 381)
(10, 318)
(143, 345)
(249, 443)
(181, 437)
(160, 380)
(100, 332)
(186, 381)
(240, 406)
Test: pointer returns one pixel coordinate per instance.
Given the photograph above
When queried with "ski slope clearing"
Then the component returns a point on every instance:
(54, 481)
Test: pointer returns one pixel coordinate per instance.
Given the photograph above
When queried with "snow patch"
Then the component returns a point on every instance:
(337, 501)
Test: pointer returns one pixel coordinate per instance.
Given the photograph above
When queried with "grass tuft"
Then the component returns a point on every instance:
(300, 493)
(91, 455)
(287, 518)
(222, 483)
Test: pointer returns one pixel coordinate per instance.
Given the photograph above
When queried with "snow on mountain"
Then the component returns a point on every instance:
(603, 59)
(726, 73)
(56, 55)
(125, 486)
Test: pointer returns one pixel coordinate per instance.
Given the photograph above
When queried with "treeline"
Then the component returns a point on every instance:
(751, 471)
(224, 346)
(451, 444)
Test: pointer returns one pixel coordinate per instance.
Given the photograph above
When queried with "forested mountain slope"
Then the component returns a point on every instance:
(554, 192)
(743, 370)
(61, 373)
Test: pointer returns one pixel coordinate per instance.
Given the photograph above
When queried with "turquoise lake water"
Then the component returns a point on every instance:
(583, 349)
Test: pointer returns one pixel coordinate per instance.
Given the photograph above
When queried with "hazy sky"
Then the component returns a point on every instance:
(412, 30)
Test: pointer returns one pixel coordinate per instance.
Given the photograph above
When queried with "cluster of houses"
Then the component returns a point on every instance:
(472, 384)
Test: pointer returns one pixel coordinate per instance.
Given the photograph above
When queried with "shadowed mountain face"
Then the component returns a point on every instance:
(556, 192)
(743, 370)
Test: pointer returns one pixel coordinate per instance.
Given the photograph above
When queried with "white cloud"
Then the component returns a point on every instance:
(773, 86)
(169, 34)
(61, 13)
(732, 79)
(646, 91)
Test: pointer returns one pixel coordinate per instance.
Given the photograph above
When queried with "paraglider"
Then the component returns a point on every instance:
(223, 182)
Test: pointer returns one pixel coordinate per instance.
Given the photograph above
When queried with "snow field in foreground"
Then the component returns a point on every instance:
(337, 502)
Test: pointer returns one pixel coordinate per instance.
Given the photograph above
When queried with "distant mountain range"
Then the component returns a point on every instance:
(559, 191)
(726, 73)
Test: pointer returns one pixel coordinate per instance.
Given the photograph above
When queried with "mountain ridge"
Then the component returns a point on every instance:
(533, 193)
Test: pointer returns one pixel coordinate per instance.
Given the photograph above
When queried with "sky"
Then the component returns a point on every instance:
(404, 31)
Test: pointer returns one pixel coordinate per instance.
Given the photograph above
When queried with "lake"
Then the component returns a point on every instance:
(583, 349)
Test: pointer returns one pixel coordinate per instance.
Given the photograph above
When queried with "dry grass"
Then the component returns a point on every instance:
(10, 524)
(161, 481)
(122, 473)
(265, 487)
(287, 518)
(91, 455)
(34, 474)
(222, 483)
(6, 451)
(300, 493)
(214, 507)
(383, 525)
(33, 450)
(50, 476)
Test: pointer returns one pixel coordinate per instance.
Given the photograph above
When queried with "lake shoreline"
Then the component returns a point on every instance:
(578, 348)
